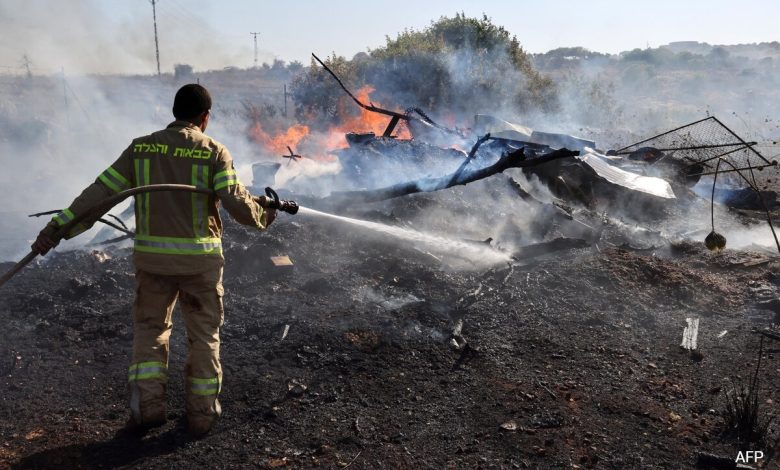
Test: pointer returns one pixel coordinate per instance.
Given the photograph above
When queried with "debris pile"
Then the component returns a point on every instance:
(654, 180)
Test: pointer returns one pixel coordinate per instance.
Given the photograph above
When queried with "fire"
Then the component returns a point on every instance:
(365, 121)
(333, 138)
(278, 143)
(450, 120)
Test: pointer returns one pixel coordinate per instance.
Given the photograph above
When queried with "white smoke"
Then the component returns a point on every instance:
(87, 36)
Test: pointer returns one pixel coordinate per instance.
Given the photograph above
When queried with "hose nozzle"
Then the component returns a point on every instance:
(271, 201)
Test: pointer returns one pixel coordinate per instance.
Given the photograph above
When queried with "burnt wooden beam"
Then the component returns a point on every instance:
(471, 155)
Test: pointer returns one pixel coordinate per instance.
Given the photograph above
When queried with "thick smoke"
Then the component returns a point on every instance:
(61, 124)
(57, 134)
(86, 37)
(635, 94)
(593, 102)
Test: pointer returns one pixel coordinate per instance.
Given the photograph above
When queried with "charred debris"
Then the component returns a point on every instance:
(639, 196)
(642, 196)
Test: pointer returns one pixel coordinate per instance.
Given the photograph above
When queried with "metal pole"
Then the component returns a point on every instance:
(26, 62)
(156, 44)
(255, 36)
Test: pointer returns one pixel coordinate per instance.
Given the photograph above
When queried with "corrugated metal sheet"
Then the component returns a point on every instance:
(500, 129)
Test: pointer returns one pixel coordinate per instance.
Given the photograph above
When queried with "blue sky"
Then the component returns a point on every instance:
(116, 35)
(293, 28)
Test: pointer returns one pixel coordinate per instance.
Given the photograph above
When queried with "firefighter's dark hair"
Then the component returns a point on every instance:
(190, 101)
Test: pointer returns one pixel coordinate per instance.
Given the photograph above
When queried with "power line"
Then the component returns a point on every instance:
(169, 14)
(156, 44)
(184, 13)
(183, 22)
(255, 36)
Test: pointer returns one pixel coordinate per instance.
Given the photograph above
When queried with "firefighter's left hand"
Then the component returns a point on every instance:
(43, 244)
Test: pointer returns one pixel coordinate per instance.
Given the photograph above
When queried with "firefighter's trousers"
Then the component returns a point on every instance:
(201, 306)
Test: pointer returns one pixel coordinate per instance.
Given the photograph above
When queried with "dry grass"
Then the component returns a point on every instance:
(743, 414)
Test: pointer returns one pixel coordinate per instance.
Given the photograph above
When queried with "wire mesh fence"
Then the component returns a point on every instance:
(700, 145)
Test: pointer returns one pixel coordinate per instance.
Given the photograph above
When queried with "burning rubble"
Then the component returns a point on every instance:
(373, 161)
(642, 192)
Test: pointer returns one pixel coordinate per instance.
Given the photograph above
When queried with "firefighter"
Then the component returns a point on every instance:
(178, 255)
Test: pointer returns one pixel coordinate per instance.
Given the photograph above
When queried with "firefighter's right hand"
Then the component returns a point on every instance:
(43, 243)
(270, 216)
(262, 201)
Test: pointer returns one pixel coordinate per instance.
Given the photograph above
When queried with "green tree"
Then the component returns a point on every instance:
(457, 64)
(316, 95)
(458, 61)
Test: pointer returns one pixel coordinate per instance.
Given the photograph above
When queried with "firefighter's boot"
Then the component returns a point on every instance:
(148, 373)
(147, 409)
(201, 305)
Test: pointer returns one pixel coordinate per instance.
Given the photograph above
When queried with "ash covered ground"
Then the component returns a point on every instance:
(374, 352)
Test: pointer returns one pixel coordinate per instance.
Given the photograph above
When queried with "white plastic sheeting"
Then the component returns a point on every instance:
(646, 184)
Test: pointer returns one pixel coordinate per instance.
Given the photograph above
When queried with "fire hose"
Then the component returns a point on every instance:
(270, 200)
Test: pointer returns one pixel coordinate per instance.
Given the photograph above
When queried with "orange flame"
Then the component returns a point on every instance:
(365, 121)
(333, 138)
(278, 143)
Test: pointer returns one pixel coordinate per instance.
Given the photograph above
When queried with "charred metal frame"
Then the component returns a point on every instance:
(461, 176)
(395, 116)
(710, 164)
(293, 157)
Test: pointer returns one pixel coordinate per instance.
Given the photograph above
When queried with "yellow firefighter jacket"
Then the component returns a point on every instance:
(177, 233)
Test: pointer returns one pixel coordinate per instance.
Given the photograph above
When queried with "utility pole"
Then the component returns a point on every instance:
(156, 44)
(286, 94)
(255, 36)
(26, 62)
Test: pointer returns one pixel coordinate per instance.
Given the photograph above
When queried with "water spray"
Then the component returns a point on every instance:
(466, 250)
(463, 249)
(473, 252)
(470, 251)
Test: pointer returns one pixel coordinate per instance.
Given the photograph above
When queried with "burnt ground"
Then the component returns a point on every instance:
(571, 360)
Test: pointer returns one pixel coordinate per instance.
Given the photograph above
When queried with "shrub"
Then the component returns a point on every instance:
(457, 64)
